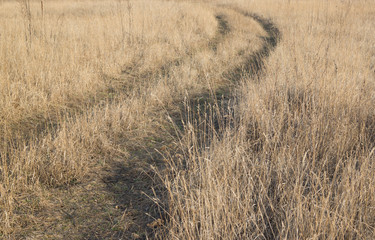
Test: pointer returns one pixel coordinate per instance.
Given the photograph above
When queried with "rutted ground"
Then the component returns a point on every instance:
(116, 198)
(205, 141)
(299, 162)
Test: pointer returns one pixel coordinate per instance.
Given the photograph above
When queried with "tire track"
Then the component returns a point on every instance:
(220, 105)
(216, 111)
(255, 63)
(137, 175)
(131, 79)
(213, 116)
(141, 181)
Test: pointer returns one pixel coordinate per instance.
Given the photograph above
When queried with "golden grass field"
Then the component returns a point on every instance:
(151, 119)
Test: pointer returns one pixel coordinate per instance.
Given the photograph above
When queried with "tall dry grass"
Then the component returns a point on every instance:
(287, 154)
(63, 64)
(56, 59)
(116, 68)
(299, 161)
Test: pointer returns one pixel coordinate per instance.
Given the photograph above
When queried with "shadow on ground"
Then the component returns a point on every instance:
(134, 184)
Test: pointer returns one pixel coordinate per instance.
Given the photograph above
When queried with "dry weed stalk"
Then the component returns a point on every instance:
(291, 156)
(26, 13)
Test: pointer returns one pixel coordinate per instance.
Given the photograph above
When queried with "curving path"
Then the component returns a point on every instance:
(131, 186)
(149, 212)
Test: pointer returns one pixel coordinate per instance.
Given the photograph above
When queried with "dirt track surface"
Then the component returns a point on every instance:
(130, 191)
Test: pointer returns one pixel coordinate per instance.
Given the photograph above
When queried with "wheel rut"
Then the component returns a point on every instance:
(145, 201)
(133, 187)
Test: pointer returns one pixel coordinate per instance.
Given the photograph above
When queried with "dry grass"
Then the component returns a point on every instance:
(81, 41)
(62, 68)
(92, 93)
(299, 162)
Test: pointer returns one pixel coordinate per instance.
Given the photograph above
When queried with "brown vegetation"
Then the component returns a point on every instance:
(186, 120)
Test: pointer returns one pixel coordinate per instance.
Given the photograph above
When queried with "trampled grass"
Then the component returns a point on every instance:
(187, 120)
